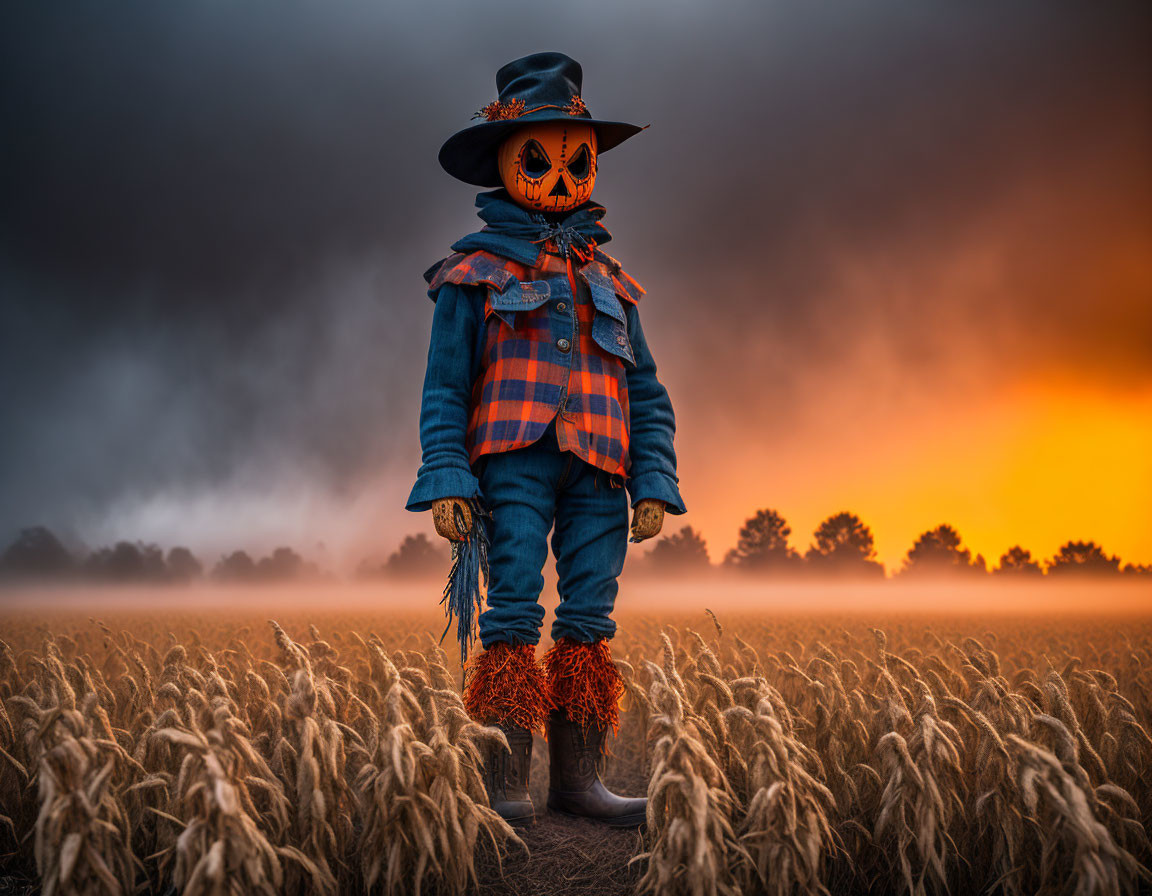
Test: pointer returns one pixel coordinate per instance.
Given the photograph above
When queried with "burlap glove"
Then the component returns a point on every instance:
(647, 518)
(444, 515)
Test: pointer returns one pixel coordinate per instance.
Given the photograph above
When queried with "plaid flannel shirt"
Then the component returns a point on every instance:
(542, 342)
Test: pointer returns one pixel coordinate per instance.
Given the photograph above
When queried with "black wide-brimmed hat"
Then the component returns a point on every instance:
(539, 87)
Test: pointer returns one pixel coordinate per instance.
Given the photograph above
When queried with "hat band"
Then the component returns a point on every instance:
(498, 111)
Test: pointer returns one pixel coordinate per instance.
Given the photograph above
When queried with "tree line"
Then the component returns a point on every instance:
(842, 546)
(37, 553)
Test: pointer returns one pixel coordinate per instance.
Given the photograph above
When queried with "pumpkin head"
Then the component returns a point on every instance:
(549, 166)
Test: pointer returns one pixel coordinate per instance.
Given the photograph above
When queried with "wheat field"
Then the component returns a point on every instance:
(329, 752)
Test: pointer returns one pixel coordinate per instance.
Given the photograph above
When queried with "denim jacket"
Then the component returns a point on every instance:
(455, 355)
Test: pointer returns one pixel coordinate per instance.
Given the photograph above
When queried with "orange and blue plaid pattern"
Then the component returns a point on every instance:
(525, 380)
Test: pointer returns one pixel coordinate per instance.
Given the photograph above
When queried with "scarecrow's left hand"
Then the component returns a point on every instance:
(647, 518)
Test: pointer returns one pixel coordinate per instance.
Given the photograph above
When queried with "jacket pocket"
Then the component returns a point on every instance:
(609, 326)
(519, 295)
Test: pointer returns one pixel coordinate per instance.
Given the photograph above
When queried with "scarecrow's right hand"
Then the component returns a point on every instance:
(452, 517)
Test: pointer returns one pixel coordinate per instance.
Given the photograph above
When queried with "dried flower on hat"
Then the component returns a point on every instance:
(498, 111)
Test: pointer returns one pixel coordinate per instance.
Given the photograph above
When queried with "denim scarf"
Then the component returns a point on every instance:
(513, 231)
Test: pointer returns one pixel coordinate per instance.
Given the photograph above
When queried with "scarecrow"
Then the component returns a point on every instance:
(541, 411)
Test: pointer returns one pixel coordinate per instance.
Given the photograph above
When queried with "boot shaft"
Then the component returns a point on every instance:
(507, 773)
(575, 752)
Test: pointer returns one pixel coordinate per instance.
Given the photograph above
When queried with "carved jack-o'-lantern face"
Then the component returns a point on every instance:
(549, 166)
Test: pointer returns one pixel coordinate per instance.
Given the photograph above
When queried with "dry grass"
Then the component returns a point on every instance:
(782, 756)
(848, 766)
(261, 764)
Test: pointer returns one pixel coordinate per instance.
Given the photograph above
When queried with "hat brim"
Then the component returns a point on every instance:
(470, 155)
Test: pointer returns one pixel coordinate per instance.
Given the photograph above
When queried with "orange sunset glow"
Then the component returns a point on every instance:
(1035, 466)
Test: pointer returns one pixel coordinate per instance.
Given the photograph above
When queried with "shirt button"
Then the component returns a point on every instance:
(621, 340)
(563, 344)
(561, 306)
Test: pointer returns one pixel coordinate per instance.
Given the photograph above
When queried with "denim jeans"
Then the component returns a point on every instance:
(526, 489)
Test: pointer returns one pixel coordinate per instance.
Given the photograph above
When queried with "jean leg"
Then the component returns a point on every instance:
(520, 490)
(590, 542)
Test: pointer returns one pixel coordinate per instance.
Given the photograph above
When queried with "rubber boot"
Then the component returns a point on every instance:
(576, 753)
(506, 776)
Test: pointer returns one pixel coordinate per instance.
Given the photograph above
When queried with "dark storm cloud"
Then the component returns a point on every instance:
(215, 217)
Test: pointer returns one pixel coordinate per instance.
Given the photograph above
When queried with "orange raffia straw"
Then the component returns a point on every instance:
(585, 682)
(505, 685)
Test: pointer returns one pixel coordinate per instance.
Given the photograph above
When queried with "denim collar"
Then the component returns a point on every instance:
(514, 232)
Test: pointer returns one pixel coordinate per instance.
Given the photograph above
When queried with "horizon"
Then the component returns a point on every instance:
(641, 558)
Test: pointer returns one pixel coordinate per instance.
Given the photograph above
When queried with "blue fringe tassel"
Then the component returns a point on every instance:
(462, 596)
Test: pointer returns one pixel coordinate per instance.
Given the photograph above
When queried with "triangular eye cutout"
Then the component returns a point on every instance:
(534, 162)
(580, 165)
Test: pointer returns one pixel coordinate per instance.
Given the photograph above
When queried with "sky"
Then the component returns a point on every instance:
(898, 260)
